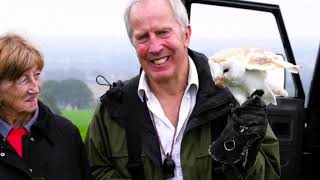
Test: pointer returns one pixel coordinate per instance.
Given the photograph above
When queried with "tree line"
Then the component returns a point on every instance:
(69, 93)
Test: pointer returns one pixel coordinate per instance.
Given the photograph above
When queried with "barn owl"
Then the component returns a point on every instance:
(243, 70)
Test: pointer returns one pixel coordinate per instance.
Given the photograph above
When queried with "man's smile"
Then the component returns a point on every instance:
(160, 61)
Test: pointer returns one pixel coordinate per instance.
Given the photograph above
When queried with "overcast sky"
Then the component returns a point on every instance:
(70, 21)
(44, 20)
(104, 17)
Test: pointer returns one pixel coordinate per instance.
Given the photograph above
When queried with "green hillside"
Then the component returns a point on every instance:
(81, 118)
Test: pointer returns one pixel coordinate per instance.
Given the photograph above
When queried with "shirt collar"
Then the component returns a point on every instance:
(193, 81)
(5, 127)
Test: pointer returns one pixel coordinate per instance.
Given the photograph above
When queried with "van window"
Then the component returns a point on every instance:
(215, 28)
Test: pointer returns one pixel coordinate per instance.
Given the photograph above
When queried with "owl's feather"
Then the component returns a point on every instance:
(243, 70)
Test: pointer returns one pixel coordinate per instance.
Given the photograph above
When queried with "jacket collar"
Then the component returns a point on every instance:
(207, 89)
(5, 127)
(209, 95)
(193, 81)
(45, 124)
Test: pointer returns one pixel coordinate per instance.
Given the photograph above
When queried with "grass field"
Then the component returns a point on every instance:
(81, 118)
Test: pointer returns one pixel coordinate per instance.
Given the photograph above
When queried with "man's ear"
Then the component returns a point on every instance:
(187, 35)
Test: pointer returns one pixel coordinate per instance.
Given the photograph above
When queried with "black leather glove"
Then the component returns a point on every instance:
(246, 128)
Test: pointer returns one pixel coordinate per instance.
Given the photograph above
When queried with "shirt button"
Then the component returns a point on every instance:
(31, 139)
(2, 154)
(231, 105)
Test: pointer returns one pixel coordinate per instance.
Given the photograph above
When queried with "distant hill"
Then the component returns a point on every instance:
(116, 59)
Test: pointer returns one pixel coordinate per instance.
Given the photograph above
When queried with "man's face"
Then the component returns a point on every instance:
(160, 41)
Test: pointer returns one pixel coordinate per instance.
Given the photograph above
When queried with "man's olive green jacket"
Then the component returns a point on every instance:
(107, 144)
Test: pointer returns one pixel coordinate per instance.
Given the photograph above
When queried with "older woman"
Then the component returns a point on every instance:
(34, 142)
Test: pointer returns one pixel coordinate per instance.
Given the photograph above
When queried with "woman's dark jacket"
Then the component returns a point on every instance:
(53, 150)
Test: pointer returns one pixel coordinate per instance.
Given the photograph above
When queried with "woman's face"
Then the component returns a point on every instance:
(21, 96)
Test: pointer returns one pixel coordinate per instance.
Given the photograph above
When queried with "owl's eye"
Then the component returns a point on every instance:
(226, 70)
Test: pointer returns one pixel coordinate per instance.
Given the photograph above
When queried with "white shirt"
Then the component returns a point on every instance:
(163, 125)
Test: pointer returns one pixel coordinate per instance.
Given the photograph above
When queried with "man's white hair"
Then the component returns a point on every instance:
(177, 7)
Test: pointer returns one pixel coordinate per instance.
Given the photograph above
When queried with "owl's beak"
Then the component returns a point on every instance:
(219, 82)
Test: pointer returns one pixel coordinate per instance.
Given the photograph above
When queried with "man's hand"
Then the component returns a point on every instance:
(243, 134)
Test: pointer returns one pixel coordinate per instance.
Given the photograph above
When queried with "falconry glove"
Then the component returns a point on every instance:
(239, 142)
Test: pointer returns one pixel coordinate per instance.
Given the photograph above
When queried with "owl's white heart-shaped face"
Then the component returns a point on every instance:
(229, 71)
(233, 70)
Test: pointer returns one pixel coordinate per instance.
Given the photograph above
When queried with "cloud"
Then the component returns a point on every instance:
(63, 17)
(94, 18)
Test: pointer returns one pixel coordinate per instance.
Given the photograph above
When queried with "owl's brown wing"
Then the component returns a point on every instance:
(254, 59)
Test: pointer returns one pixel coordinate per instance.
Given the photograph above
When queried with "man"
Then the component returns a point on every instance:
(160, 124)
